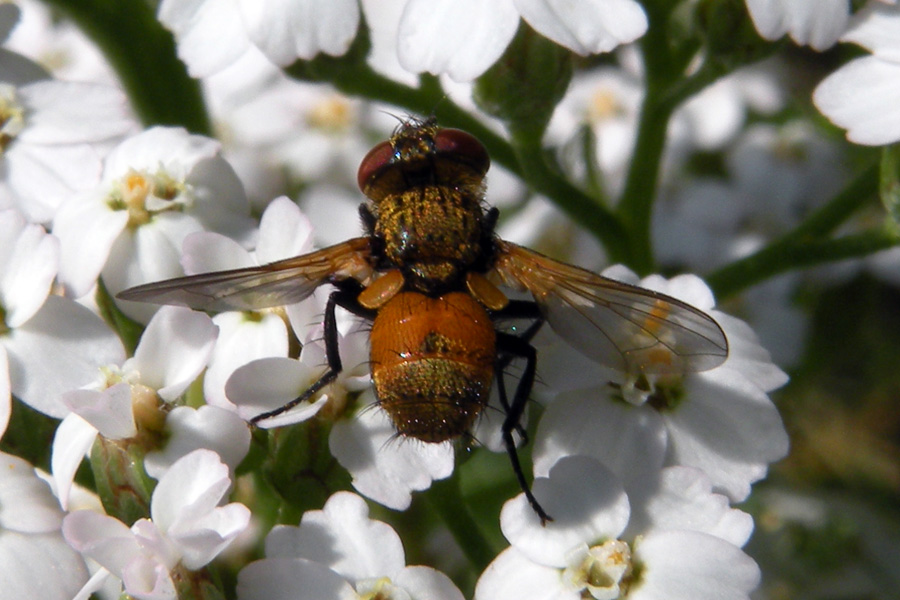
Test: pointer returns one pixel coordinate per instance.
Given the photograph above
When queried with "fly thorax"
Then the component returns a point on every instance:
(432, 232)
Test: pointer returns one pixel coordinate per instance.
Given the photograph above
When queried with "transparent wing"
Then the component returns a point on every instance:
(275, 284)
(618, 325)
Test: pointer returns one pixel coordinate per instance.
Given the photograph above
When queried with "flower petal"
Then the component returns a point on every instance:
(109, 411)
(385, 468)
(192, 487)
(30, 266)
(208, 427)
(291, 579)
(73, 438)
(269, 383)
(586, 501)
(59, 349)
(342, 537)
(39, 566)
(211, 33)
(103, 538)
(174, 349)
(26, 503)
(512, 576)
(870, 118)
(459, 37)
(585, 26)
(286, 30)
(686, 565)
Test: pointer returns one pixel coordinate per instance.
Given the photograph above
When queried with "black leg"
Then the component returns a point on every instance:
(516, 309)
(516, 346)
(345, 297)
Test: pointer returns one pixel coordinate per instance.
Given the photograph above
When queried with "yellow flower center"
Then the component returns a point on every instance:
(334, 114)
(145, 194)
(12, 116)
(603, 572)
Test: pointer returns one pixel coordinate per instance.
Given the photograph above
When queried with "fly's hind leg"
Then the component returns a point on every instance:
(516, 309)
(345, 297)
(518, 347)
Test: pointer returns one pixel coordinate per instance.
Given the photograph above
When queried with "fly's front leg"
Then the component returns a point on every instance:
(518, 347)
(345, 297)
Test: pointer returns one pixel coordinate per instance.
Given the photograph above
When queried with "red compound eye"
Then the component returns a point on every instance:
(463, 146)
(377, 157)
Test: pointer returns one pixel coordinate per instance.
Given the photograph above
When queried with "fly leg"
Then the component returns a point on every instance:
(345, 297)
(519, 346)
(516, 309)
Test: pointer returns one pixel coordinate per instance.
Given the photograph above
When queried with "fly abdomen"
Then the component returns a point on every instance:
(433, 363)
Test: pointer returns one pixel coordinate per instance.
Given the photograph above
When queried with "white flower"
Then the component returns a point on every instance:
(608, 101)
(338, 552)
(720, 421)
(213, 34)
(30, 538)
(58, 45)
(384, 467)
(16, 68)
(174, 350)
(187, 527)
(862, 96)
(54, 133)
(157, 187)
(51, 344)
(464, 38)
(676, 541)
(244, 336)
(816, 23)
(286, 128)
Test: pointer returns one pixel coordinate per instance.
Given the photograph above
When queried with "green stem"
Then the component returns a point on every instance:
(788, 256)
(143, 55)
(583, 209)
(445, 497)
(792, 250)
(827, 218)
(662, 69)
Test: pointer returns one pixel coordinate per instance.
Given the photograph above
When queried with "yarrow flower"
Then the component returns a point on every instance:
(720, 421)
(48, 344)
(186, 530)
(156, 188)
(339, 552)
(213, 34)
(30, 537)
(464, 38)
(53, 136)
(817, 23)
(862, 96)
(668, 538)
(128, 399)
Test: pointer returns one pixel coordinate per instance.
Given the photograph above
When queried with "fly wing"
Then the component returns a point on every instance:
(622, 326)
(275, 284)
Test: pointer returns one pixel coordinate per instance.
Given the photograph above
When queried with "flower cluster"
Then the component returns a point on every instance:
(162, 486)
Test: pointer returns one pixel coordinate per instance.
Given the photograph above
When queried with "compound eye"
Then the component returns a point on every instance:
(463, 147)
(377, 157)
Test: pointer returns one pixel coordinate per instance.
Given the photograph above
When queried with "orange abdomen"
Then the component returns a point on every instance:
(433, 363)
